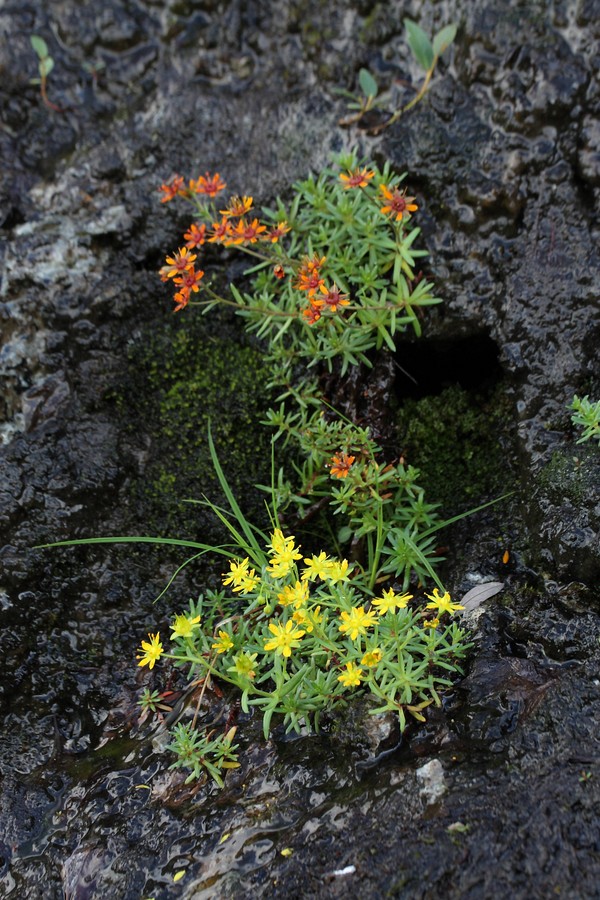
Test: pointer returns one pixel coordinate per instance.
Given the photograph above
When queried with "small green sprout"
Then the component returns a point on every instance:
(45, 66)
(150, 700)
(426, 53)
(203, 753)
(586, 415)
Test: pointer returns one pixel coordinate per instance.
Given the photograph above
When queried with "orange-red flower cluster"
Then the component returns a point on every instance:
(244, 231)
(234, 228)
(180, 267)
(207, 184)
(320, 297)
(309, 275)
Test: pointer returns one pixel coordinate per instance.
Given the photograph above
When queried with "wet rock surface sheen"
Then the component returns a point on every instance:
(504, 156)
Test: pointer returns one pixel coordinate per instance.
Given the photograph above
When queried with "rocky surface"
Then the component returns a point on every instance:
(504, 155)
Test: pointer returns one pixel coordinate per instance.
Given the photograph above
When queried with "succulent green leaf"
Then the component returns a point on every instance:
(443, 39)
(420, 44)
(368, 85)
(39, 45)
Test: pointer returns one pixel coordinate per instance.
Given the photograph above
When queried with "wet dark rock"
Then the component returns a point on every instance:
(503, 155)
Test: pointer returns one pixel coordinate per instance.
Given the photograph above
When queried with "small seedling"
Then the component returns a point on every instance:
(426, 53)
(45, 66)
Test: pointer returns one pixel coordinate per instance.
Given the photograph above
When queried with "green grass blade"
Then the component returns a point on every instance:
(233, 504)
(175, 542)
(463, 515)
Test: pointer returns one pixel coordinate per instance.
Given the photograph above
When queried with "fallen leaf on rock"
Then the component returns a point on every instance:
(479, 594)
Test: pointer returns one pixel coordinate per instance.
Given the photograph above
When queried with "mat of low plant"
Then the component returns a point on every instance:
(333, 280)
(296, 635)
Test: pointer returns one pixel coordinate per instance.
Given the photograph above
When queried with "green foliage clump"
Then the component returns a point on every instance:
(586, 415)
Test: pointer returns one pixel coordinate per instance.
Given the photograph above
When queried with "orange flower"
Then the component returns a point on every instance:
(309, 278)
(359, 178)
(238, 206)
(397, 203)
(275, 233)
(340, 464)
(247, 232)
(279, 271)
(181, 262)
(195, 236)
(207, 184)
(170, 190)
(190, 280)
(333, 297)
(181, 298)
(221, 232)
(312, 314)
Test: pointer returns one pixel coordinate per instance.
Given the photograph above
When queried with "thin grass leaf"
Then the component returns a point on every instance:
(423, 560)
(175, 542)
(176, 573)
(233, 504)
(463, 515)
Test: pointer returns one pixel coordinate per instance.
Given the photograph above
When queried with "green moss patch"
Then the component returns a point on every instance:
(190, 374)
(460, 442)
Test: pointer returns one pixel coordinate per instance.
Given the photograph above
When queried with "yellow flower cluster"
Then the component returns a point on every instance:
(283, 554)
(242, 578)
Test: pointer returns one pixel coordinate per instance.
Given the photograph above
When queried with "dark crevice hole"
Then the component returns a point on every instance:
(427, 367)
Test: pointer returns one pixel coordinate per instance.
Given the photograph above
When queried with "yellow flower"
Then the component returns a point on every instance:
(389, 601)
(184, 626)
(337, 570)
(238, 571)
(308, 618)
(316, 567)
(356, 621)
(431, 623)
(372, 658)
(296, 594)
(244, 663)
(280, 543)
(352, 676)
(248, 583)
(286, 637)
(224, 643)
(238, 206)
(152, 651)
(442, 604)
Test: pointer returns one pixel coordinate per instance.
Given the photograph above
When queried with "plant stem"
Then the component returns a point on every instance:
(400, 112)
